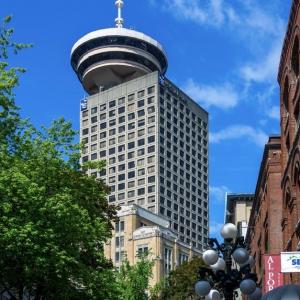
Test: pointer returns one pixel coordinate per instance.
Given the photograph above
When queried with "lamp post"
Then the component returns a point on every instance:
(220, 274)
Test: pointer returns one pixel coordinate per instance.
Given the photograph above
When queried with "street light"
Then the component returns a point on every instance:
(219, 274)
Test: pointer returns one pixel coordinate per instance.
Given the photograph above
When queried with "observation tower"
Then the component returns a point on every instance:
(108, 57)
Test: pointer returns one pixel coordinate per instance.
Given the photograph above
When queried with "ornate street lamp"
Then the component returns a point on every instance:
(220, 274)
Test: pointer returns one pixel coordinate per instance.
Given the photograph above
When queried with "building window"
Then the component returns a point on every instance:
(295, 57)
(121, 110)
(131, 107)
(120, 241)
(131, 174)
(151, 199)
(94, 110)
(131, 135)
(121, 196)
(141, 172)
(130, 155)
(142, 249)
(141, 103)
(131, 184)
(121, 101)
(151, 169)
(286, 94)
(151, 189)
(168, 260)
(151, 90)
(130, 97)
(151, 100)
(141, 191)
(151, 159)
(120, 226)
(131, 194)
(141, 94)
(141, 181)
(151, 119)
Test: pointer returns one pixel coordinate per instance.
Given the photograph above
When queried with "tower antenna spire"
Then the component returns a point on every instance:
(119, 20)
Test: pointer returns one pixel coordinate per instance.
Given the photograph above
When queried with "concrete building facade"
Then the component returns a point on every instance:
(139, 230)
(155, 143)
(288, 79)
(153, 137)
(237, 211)
(264, 235)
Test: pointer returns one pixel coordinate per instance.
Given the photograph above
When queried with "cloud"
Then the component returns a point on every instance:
(264, 69)
(274, 112)
(218, 193)
(256, 136)
(221, 96)
(212, 12)
(217, 13)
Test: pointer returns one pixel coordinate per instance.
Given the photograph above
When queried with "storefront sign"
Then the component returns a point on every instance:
(273, 275)
(290, 262)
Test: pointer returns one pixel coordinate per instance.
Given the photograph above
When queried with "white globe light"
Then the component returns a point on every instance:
(210, 257)
(240, 255)
(256, 295)
(229, 231)
(213, 295)
(247, 286)
(202, 288)
(219, 265)
(250, 262)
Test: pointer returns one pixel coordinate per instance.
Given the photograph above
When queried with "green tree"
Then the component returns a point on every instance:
(133, 280)
(180, 284)
(54, 218)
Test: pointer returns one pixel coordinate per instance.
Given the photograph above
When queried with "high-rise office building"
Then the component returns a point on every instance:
(153, 137)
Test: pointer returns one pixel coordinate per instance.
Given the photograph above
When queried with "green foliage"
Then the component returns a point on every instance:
(134, 280)
(180, 284)
(54, 219)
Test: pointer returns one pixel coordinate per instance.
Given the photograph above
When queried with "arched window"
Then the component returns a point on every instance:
(285, 97)
(295, 57)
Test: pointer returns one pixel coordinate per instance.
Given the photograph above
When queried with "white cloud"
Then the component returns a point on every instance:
(218, 193)
(264, 69)
(234, 132)
(274, 112)
(221, 96)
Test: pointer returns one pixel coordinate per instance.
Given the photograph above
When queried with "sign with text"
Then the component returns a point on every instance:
(273, 275)
(290, 262)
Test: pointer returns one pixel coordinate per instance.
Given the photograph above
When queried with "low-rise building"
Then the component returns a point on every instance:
(238, 209)
(139, 230)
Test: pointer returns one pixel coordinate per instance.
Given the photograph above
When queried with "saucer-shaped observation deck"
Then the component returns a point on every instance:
(108, 57)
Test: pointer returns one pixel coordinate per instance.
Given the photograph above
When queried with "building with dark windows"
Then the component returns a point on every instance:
(152, 135)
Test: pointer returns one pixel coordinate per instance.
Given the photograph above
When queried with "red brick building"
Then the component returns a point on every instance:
(264, 235)
(288, 79)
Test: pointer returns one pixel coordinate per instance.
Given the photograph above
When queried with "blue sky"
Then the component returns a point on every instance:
(223, 53)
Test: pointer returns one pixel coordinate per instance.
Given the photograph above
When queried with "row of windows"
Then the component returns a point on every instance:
(121, 101)
(121, 129)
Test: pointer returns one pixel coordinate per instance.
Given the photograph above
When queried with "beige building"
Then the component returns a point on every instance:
(139, 230)
(238, 210)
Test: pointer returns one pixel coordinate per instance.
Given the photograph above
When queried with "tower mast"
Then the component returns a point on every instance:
(119, 20)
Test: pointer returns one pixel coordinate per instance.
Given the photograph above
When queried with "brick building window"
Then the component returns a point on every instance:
(286, 94)
(295, 57)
